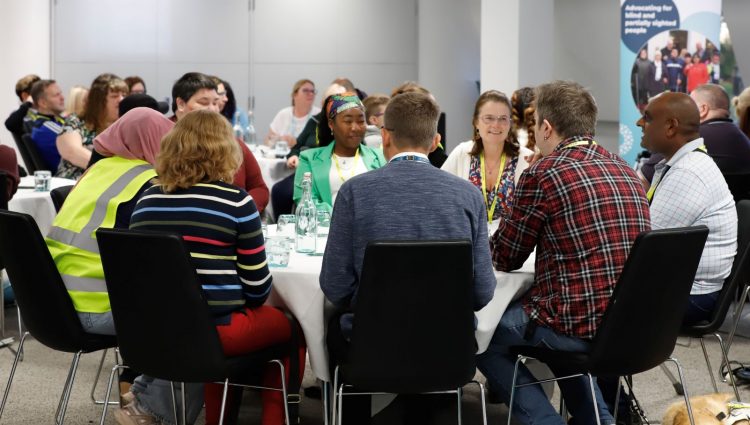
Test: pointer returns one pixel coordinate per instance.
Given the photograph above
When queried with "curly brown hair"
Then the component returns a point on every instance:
(523, 112)
(200, 149)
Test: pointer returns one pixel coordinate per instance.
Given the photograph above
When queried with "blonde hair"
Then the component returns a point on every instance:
(200, 148)
(298, 85)
(76, 100)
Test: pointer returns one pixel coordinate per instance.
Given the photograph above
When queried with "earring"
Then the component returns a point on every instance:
(546, 137)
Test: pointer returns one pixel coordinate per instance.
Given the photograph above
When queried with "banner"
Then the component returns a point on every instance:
(659, 40)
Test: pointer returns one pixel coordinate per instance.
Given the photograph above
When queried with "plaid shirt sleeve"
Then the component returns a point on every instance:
(516, 237)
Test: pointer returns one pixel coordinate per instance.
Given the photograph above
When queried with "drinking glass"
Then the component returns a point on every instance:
(277, 251)
(42, 180)
(324, 225)
(281, 148)
(285, 225)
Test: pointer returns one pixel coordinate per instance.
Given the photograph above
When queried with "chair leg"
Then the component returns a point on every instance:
(334, 408)
(458, 405)
(62, 397)
(12, 372)
(725, 356)
(284, 392)
(341, 404)
(737, 312)
(513, 387)
(174, 403)
(617, 397)
(20, 330)
(326, 390)
(593, 398)
(675, 383)
(685, 390)
(69, 389)
(482, 398)
(708, 365)
(115, 369)
(184, 405)
(223, 401)
(96, 378)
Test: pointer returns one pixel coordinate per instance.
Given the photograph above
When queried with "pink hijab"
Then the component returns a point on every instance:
(136, 135)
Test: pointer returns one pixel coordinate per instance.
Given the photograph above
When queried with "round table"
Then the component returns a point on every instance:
(297, 288)
(37, 204)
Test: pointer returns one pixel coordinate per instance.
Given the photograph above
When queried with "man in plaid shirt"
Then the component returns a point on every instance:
(581, 207)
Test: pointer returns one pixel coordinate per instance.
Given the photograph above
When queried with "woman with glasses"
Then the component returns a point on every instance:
(492, 160)
(289, 122)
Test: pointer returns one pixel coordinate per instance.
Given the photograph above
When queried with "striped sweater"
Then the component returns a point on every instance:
(222, 229)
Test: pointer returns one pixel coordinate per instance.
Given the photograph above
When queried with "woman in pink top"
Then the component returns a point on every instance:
(696, 73)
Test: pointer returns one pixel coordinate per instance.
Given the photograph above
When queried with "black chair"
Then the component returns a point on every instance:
(59, 194)
(34, 154)
(738, 278)
(25, 155)
(739, 185)
(4, 182)
(413, 297)
(46, 307)
(644, 315)
(176, 340)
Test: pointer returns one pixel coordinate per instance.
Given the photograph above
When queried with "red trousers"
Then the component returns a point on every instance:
(252, 330)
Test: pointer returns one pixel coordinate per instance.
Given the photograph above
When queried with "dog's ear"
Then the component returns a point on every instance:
(672, 415)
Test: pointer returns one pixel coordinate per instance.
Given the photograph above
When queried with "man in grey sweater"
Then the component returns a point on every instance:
(406, 199)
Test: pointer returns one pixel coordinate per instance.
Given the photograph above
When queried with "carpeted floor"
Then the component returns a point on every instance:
(41, 375)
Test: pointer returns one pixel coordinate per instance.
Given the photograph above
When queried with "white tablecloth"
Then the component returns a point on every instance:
(37, 204)
(297, 288)
(273, 169)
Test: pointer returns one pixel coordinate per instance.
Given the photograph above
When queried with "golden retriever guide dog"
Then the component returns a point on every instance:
(705, 411)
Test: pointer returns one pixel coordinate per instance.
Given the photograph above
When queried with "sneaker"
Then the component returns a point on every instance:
(126, 398)
(134, 415)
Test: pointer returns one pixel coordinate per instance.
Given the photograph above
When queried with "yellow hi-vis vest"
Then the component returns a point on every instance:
(93, 204)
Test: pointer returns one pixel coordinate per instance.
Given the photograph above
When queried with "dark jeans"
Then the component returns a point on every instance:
(281, 198)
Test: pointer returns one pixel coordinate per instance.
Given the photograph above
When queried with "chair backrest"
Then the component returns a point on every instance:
(739, 185)
(163, 325)
(46, 307)
(740, 274)
(59, 194)
(643, 319)
(25, 155)
(414, 320)
(33, 151)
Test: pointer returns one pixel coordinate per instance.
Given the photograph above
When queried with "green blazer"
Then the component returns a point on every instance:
(318, 162)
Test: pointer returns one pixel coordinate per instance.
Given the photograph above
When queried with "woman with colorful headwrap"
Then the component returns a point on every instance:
(343, 158)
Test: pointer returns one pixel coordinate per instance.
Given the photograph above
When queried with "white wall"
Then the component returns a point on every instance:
(25, 35)
(449, 34)
(156, 40)
(735, 14)
(586, 48)
(374, 44)
(510, 52)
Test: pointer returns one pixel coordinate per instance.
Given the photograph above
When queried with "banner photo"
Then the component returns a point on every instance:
(664, 45)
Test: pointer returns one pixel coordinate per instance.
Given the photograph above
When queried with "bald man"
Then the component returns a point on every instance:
(726, 144)
(689, 190)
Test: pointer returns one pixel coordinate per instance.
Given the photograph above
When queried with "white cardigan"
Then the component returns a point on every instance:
(459, 161)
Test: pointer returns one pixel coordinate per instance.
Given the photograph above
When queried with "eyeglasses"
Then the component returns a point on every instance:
(500, 119)
(309, 91)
